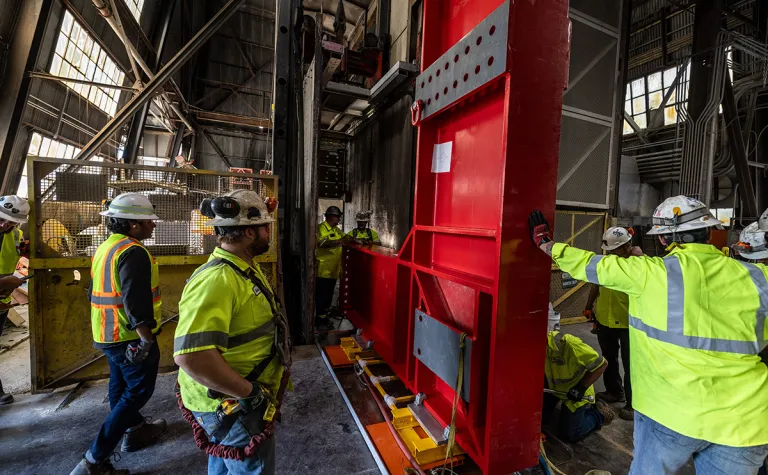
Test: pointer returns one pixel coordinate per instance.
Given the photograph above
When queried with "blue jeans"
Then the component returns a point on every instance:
(239, 436)
(573, 426)
(662, 451)
(130, 387)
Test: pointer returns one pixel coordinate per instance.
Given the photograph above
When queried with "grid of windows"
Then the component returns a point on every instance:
(645, 95)
(44, 147)
(135, 6)
(78, 56)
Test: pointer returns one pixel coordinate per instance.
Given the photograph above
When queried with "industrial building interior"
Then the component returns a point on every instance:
(602, 109)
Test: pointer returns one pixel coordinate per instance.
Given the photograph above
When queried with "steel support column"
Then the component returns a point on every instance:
(382, 28)
(159, 35)
(707, 24)
(739, 152)
(22, 56)
(186, 52)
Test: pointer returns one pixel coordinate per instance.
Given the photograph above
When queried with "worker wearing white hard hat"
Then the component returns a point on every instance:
(14, 211)
(125, 316)
(231, 341)
(363, 233)
(752, 244)
(698, 385)
(609, 310)
(570, 371)
(763, 221)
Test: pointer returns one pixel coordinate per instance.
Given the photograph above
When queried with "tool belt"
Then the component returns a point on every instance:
(282, 349)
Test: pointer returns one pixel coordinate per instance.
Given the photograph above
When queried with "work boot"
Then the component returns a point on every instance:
(610, 398)
(606, 411)
(4, 398)
(142, 435)
(627, 413)
(104, 468)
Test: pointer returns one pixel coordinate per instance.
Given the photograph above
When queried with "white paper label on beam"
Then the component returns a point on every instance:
(441, 157)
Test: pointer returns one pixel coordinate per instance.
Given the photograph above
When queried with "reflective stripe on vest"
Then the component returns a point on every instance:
(591, 269)
(675, 332)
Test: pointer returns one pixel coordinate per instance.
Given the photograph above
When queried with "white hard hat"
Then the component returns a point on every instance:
(615, 237)
(681, 213)
(553, 319)
(14, 208)
(363, 216)
(236, 208)
(752, 243)
(762, 223)
(130, 206)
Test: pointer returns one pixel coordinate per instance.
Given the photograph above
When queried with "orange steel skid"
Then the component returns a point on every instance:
(488, 108)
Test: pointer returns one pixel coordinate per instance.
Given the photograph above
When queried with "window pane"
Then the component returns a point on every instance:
(670, 116)
(638, 105)
(66, 25)
(628, 107)
(641, 121)
(654, 82)
(34, 144)
(627, 128)
(655, 99)
(669, 76)
(46, 143)
(638, 87)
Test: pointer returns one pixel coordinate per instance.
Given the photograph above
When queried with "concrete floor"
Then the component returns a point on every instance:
(317, 435)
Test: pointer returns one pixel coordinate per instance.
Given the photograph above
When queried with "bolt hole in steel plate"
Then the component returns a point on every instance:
(487, 43)
(436, 345)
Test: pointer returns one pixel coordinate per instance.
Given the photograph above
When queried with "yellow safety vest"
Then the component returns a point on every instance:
(221, 309)
(612, 308)
(367, 233)
(109, 322)
(328, 258)
(697, 323)
(568, 360)
(9, 255)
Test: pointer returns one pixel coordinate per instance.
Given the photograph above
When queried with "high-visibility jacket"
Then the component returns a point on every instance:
(367, 234)
(9, 254)
(220, 309)
(328, 258)
(697, 324)
(612, 308)
(568, 360)
(109, 322)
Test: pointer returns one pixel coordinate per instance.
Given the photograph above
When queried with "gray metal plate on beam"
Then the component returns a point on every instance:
(472, 62)
(398, 74)
(348, 90)
(428, 422)
(437, 346)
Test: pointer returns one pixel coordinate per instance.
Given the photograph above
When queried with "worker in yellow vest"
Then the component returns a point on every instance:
(232, 342)
(610, 310)
(363, 234)
(125, 316)
(697, 324)
(14, 211)
(571, 369)
(329, 240)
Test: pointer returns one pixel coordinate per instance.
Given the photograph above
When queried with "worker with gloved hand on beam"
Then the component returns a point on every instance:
(571, 369)
(125, 317)
(13, 212)
(697, 324)
(610, 311)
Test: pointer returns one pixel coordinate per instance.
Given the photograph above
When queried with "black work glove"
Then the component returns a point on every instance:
(576, 394)
(135, 353)
(539, 228)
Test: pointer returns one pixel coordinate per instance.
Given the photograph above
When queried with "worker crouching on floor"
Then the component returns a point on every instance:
(231, 342)
(13, 212)
(328, 261)
(697, 324)
(610, 311)
(125, 316)
(363, 234)
(571, 369)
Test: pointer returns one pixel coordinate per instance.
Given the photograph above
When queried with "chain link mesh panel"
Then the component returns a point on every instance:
(68, 198)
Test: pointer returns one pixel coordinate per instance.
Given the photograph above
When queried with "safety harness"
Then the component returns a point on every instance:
(280, 348)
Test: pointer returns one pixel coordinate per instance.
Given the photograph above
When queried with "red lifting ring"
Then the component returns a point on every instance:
(416, 110)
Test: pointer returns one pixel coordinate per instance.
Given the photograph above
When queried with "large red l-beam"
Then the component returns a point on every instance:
(488, 107)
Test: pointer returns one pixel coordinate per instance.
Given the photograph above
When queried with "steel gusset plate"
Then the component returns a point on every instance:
(475, 60)
(437, 346)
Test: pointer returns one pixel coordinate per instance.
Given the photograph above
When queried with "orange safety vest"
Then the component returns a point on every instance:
(109, 321)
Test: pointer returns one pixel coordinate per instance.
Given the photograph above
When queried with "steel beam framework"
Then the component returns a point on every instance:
(186, 52)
